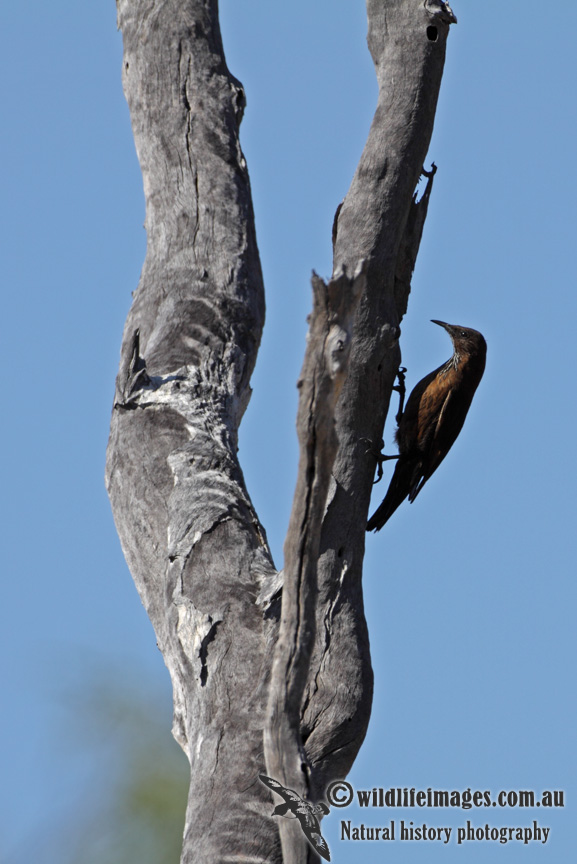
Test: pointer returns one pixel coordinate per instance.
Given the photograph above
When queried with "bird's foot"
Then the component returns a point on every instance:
(401, 390)
(379, 456)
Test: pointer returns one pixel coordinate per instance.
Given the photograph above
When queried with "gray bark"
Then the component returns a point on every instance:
(249, 682)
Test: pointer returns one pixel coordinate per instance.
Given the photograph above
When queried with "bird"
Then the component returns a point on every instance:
(432, 419)
(306, 813)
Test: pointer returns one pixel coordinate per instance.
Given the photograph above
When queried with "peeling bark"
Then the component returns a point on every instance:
(246, 677)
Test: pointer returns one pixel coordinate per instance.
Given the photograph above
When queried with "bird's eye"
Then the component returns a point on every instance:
(463, 333)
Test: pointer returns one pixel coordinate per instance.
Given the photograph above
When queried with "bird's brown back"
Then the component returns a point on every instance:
(432, 419)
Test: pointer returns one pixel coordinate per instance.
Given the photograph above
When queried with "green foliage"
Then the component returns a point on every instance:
(135, 812)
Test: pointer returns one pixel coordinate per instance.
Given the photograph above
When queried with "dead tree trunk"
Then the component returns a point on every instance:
(253, 686)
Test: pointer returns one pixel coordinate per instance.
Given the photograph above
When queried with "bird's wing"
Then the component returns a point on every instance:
(316, 839)
(442, 413)
(430, 424)
(288, 794)
(445, 431)
(432, 406)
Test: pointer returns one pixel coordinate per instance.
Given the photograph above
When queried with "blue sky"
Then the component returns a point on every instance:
(470, 591)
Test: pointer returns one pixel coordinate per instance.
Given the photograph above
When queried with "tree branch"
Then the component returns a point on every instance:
(321, 379)
(377, 230)
(192, 540)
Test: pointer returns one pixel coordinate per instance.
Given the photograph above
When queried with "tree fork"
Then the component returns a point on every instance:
(192, 540)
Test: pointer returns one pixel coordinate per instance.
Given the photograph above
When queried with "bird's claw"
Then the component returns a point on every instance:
(430, 173)
(371, 446)
(379, 456)
(401, 390)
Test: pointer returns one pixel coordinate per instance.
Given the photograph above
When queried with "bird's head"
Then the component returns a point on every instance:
(466, 341)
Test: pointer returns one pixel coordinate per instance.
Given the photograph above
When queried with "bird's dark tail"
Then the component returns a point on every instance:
(407, 473)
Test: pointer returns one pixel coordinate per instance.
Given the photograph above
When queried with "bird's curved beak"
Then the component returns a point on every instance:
(441, 324)
(450, 328)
